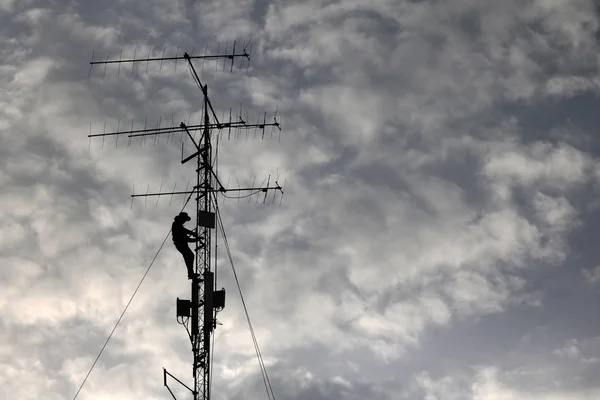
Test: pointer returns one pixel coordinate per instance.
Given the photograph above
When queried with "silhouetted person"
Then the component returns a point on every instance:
(181, 239)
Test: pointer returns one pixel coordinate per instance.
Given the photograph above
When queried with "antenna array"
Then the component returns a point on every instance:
(243, 56)
(198, 315)
(224, 128)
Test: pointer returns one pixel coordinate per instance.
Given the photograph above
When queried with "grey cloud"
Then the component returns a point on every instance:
(440, 206)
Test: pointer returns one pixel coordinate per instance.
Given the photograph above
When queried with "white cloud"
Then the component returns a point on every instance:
(556, 212)
(571, 350)
(570, 85)
(539, 164)
(592, 275)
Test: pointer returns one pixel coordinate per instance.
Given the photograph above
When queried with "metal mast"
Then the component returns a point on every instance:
(198, 315)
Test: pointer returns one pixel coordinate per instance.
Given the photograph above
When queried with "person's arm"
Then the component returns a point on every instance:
(190, 232)
(195, 238)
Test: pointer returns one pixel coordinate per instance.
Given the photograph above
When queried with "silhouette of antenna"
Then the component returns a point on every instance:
(162, 59)
(198, 315)
(228, 58)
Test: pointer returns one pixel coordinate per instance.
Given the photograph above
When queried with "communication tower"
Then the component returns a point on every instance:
(198, 314)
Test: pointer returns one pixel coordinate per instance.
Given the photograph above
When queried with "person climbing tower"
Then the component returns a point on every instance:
(181, 239)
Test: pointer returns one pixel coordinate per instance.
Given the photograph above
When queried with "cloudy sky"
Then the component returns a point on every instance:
(438, 235)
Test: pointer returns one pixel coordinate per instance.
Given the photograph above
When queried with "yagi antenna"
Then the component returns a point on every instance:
(241, 124)
(227, 56)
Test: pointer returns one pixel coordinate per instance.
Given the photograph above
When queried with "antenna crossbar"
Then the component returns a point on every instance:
(220, 190)
(184, 57)
(177, 129)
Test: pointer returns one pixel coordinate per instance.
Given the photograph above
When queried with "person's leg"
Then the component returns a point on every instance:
(189, 257)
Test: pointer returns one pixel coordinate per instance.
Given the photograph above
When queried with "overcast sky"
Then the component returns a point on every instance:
(438, 235)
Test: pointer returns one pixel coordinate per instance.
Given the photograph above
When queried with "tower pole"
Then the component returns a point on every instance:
(207, 273)
(202, 282)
